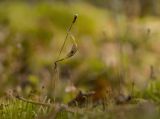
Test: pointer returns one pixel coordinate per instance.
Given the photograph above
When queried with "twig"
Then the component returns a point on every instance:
(56, 106)
(33, 102)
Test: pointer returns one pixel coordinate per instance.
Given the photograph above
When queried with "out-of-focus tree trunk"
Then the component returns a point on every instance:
(146, 7)
(131, 8)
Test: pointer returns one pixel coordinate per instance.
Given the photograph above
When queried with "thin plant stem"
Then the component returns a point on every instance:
(68, 32)
(55, 71)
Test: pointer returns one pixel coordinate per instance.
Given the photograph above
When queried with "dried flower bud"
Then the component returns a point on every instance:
(73, 50)
(75, 18)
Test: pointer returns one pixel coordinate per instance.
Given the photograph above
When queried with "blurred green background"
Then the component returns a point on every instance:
(116, 38)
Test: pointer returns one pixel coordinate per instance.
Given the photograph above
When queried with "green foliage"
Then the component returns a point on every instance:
(152, 91)
(14, 109)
